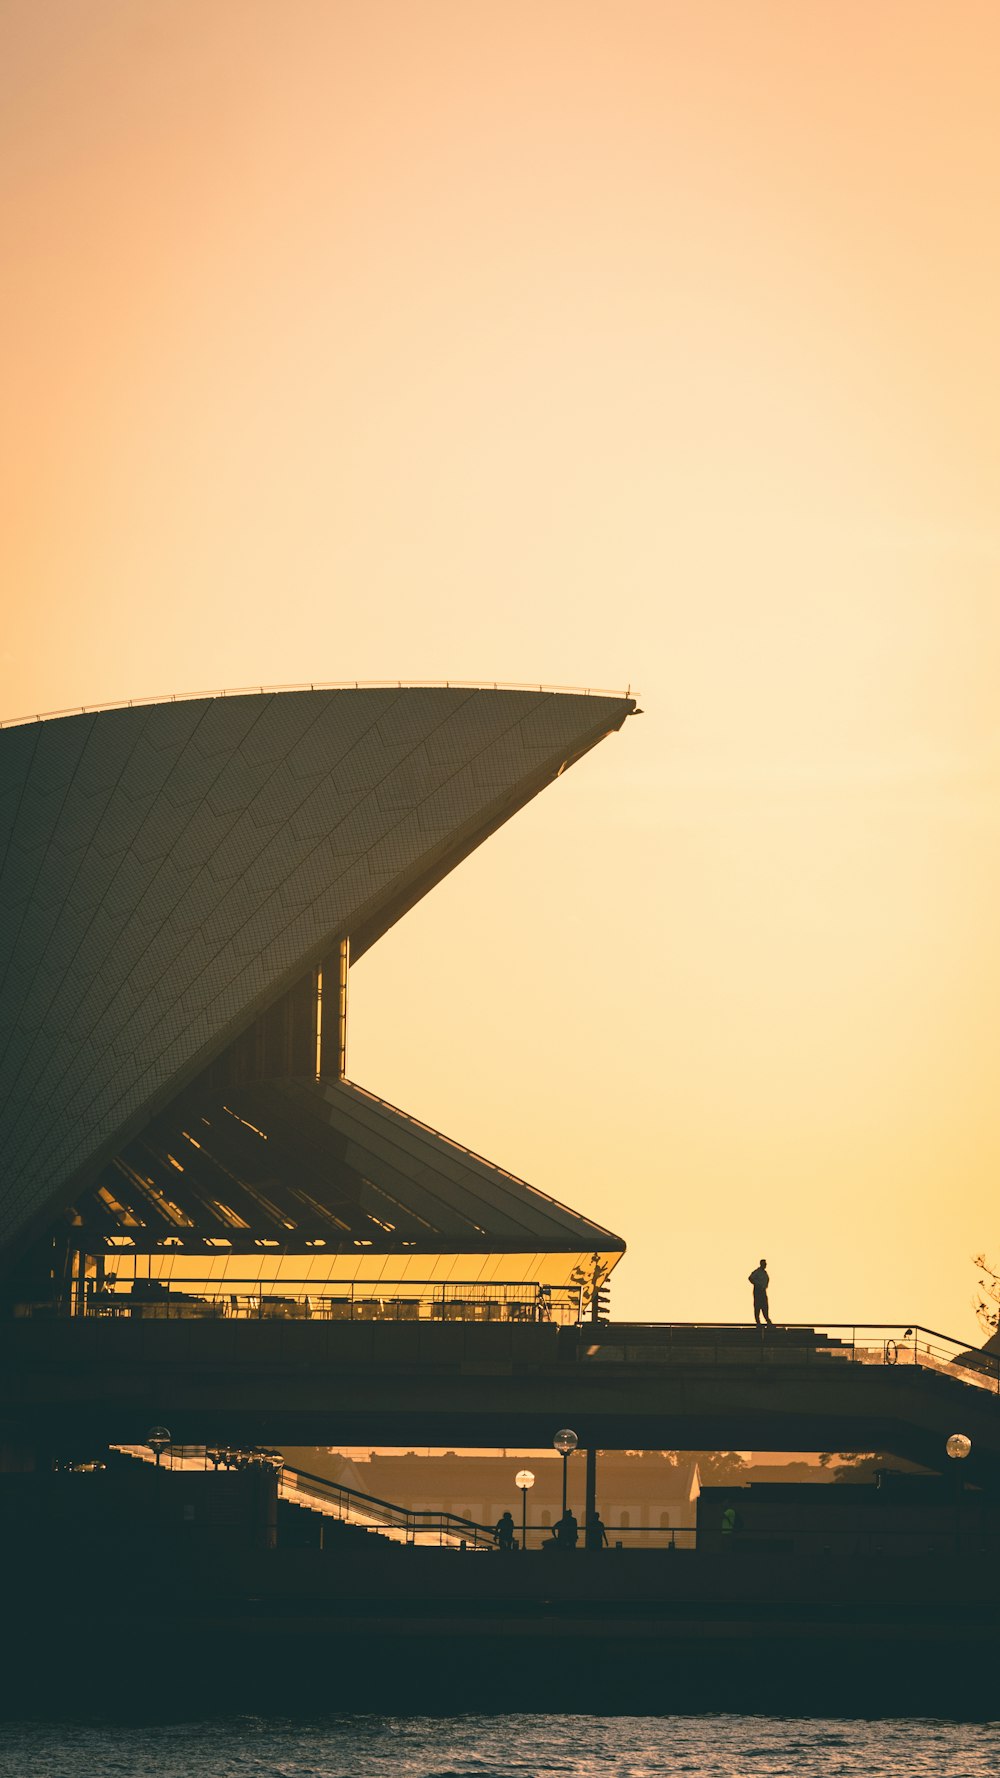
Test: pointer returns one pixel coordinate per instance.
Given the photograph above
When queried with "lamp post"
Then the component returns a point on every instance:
(158, 1440)
(565, 1441)
(958, 1447)
(524, 1480)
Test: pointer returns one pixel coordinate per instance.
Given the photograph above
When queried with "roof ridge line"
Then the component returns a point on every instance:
(470, 1153)
(253, 691)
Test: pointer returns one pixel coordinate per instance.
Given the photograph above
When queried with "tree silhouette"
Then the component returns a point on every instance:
(988, 1300)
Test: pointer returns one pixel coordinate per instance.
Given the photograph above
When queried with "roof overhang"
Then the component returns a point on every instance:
(170, 871)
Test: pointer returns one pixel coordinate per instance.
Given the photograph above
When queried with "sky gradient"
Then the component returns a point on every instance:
(647, 345)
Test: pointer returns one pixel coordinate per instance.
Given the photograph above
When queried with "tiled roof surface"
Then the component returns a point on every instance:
(168, 871)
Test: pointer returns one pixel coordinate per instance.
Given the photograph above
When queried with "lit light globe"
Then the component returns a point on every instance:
(157, 1439)
(958, 1445)
(524, 1479)
(565, 1441)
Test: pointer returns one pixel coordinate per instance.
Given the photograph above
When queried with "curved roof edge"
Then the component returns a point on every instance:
(254, 691)
(97, 1053)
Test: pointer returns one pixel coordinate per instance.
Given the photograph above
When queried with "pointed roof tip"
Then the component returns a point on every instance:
(344, 685)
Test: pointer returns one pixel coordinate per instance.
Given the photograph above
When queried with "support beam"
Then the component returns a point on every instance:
(332, 1045)
(590, 1488)
(343, 965)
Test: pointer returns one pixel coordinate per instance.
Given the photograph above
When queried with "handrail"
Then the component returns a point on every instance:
(959, 1527)
(396, 1517)
(245, 691)
(884, 1344)
(816, 1326)
(326, 1299)
(320, 1490)
(875, 1343)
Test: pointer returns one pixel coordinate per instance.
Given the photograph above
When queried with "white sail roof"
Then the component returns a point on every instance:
(168, 872)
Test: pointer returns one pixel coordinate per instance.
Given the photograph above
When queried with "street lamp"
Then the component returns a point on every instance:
(158, 1440)
(565, 1441)
(958, 1447)
(524, 1480)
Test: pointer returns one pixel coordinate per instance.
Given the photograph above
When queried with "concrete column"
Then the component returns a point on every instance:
(333, 1027)
(343, 964)
(590, 1487)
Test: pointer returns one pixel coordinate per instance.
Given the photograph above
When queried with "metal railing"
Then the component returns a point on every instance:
(412, 1300)
(677, 1343)
(321, 1494)
(820, 1540)
(964, 1524)
(368, 1513)
(958, 1524)
(827, 1344)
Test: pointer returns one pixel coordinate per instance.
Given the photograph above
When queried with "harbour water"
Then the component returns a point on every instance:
(717, 1746)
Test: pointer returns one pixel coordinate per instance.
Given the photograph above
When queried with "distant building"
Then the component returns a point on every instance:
(183, 889)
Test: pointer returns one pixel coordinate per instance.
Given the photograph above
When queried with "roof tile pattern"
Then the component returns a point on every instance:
(167, 871)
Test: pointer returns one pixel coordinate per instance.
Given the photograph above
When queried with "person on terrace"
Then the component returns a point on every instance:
(760, 1281)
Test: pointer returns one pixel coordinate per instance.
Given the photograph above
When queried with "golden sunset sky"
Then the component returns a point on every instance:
(600, 345)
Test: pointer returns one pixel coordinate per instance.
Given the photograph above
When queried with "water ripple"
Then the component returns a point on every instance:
(504, 1747)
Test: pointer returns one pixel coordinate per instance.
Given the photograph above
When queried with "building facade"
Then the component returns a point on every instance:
(184, 887)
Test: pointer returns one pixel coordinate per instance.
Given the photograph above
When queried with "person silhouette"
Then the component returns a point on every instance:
(567, 1530)
(760, 1281)
(595, 1536)
(503, 1531)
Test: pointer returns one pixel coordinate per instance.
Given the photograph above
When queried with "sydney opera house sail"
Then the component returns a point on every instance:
(183, 886)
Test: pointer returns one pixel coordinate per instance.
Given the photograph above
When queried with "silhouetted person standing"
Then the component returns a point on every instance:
(567, 1531)
(504, 1532)
(760, 1281)
(595, 1537)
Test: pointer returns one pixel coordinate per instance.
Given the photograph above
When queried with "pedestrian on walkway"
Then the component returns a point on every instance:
(595, 1536)
(760, 1281)
(504, 1532)
(566, 1531)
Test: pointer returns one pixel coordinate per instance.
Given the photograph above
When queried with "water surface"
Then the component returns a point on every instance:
(505, 1747)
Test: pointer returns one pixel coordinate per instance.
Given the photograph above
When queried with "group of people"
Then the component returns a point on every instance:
(565, 1533)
